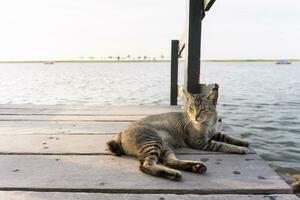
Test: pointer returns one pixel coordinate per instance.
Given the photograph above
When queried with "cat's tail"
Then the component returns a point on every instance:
(114, 146)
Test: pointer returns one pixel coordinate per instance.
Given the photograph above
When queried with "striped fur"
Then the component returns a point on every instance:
(152, 139)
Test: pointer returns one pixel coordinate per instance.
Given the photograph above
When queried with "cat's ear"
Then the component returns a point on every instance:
(213, 94)
(184, 93)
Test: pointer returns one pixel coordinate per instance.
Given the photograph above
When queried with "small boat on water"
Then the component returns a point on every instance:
(282, 62)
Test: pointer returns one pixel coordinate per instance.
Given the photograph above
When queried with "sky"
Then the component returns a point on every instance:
(72, 29)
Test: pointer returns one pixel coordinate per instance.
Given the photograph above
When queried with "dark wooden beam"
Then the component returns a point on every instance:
(174, 71)
(208, 4)
(195, 12)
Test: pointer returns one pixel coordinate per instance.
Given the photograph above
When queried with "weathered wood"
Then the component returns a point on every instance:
(16, 195)
(68, 137)
(84, 109)
(193, 45)
(72, 127)
(54, 144)
(174, 72)
(82, 118)
(69, 156)
(65, 144)
(58, 106)
(59, 127)
(69, 128)
(232, 174)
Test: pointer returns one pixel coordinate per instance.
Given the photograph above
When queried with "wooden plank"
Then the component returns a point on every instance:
(21, 195)
(82, 118)
(64, 145)
(142, 109)
(74, 112)
(227, 174)
(77, 106)
(66, 127)
(8, 111)
(97, 118)
(66, 138)
(59, 127)
(85, 110)
(58, 106)
(53, 144)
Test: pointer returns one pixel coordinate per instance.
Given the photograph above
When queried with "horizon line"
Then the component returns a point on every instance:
(48, 61)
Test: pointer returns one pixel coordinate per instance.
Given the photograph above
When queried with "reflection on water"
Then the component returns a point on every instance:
(260, 100)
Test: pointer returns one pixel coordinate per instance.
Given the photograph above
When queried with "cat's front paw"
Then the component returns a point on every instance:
(244, 150)
(245, 143)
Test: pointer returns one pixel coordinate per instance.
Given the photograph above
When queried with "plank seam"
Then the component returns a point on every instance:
(153, 191)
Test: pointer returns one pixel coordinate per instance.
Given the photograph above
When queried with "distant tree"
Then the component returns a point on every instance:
(145, 57)
(139, 57)
(118, 57)
(162, 57)
(128, 57)
(110, 57)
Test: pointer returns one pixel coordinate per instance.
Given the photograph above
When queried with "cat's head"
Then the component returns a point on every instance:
(201, 108)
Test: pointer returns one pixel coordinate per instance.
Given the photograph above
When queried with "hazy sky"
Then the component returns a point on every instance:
(66, 29)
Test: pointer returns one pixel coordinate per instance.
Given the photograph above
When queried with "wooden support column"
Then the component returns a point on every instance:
(174, 71)
(195, 13)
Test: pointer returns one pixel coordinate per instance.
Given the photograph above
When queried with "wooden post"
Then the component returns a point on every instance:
(174, 72)
(195, 13)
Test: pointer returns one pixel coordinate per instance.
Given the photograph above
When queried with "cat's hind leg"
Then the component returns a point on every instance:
(221, 137)
(150, 149)
(170, 160)
(150, 166)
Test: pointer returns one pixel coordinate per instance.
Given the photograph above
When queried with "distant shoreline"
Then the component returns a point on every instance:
(48, 62)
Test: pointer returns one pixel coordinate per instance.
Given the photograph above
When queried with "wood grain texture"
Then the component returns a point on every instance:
(73, 127)
(65, 144)
(13, 195)
(51, 149)
(231, 174)
(82, 118)
(59, 127)
(85, 110)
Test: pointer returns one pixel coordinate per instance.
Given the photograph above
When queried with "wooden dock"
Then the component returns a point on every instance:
(58, 153)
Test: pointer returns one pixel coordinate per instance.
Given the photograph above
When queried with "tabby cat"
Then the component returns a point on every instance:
(152, 139)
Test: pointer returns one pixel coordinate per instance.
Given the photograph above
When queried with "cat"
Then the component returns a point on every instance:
(153, 138)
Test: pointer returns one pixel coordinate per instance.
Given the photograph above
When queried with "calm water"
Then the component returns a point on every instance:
(260, 100)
